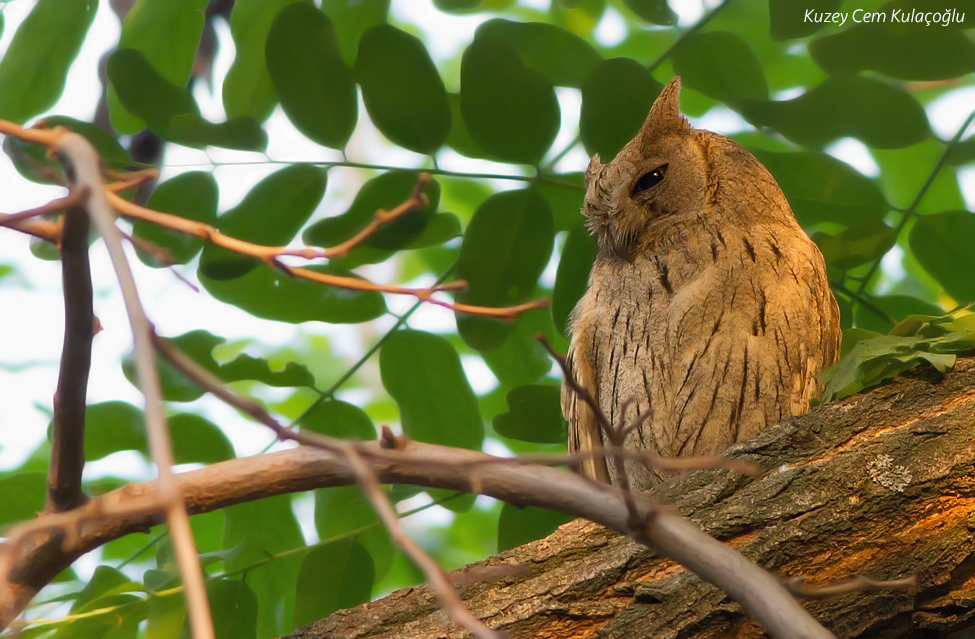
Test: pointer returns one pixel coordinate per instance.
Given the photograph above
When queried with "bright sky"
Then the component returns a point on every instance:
(32, 319)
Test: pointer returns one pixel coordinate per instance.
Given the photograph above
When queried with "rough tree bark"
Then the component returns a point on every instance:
(881, 484)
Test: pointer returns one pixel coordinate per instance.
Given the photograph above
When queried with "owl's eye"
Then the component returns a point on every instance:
(650, 179)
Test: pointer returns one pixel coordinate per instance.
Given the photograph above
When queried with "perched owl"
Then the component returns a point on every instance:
(707, 304)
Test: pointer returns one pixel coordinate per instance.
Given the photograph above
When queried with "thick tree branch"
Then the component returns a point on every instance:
(878, 485)
(68, 429)
(818, 512)
(764, 597)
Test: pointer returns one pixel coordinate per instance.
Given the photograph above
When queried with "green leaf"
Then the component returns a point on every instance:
(457, 6)
(534, 415)
(564, 193)
(422, 372)
(963, 152)
(333, 577)
(916, 339)
(572, 276)
(247, 89)
(896, 307)
(176, 387)
(168, 33)
(821, 188)
(460, 139)
(167, 615)
(506, 247)
(339, 419)
(171, 111)
(314, 84)
(518, 526)
(266, 527)
(235, 607)
(521, 359)
(270, 214)
(242, 132)
(352, 19)
(904, 51)
(385, 191)
(402, 89)
(247, 367)
(34, 69)
(109, 150)
(194, 196)
(787, 18)
(942, 243)
(33, 163)
(22, 496)
(562, 57)
(509, 109)
(653, 11)
(904, 172)
(197, 440)
(857, 245)
(864, 108)
(721, 65)
(343, 513)
(441, 228)
(269, 293)
(104, 580)
(615, 101)
(146, 93)
(111, 427)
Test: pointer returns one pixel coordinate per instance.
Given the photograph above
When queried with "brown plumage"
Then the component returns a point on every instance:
(707, 304)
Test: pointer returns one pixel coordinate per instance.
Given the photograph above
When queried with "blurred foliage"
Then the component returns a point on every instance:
(897, 241)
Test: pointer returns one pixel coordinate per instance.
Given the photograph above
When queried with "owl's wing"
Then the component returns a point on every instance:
(584, 433)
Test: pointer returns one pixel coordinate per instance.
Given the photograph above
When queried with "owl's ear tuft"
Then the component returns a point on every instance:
(595, 166)
(665, 116)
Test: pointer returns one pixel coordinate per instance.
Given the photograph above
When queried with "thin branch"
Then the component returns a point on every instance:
(382, 217)
(64, 490)
(329, 392)
(74, 198)
(375, 167)
(305, 468)
(761, 594)
(911, 210)
(270, 255)
(129, 179)
(857, 584)
(82, 160)
(42, 229)
(649, 459)
(697, 26)
(861, 299)
(446, 592)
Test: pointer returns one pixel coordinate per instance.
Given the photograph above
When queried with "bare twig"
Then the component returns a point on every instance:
(128, 180)
(758, 591)
(74, 197)
(68, 426)
(799, 588)
(306, 468)
(416, 200)
(446, 593)
(49, 231)
(82, 160)
(271, 255)
(616, 436)
(647, 458)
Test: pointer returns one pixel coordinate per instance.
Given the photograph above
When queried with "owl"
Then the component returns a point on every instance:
(708, 306)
